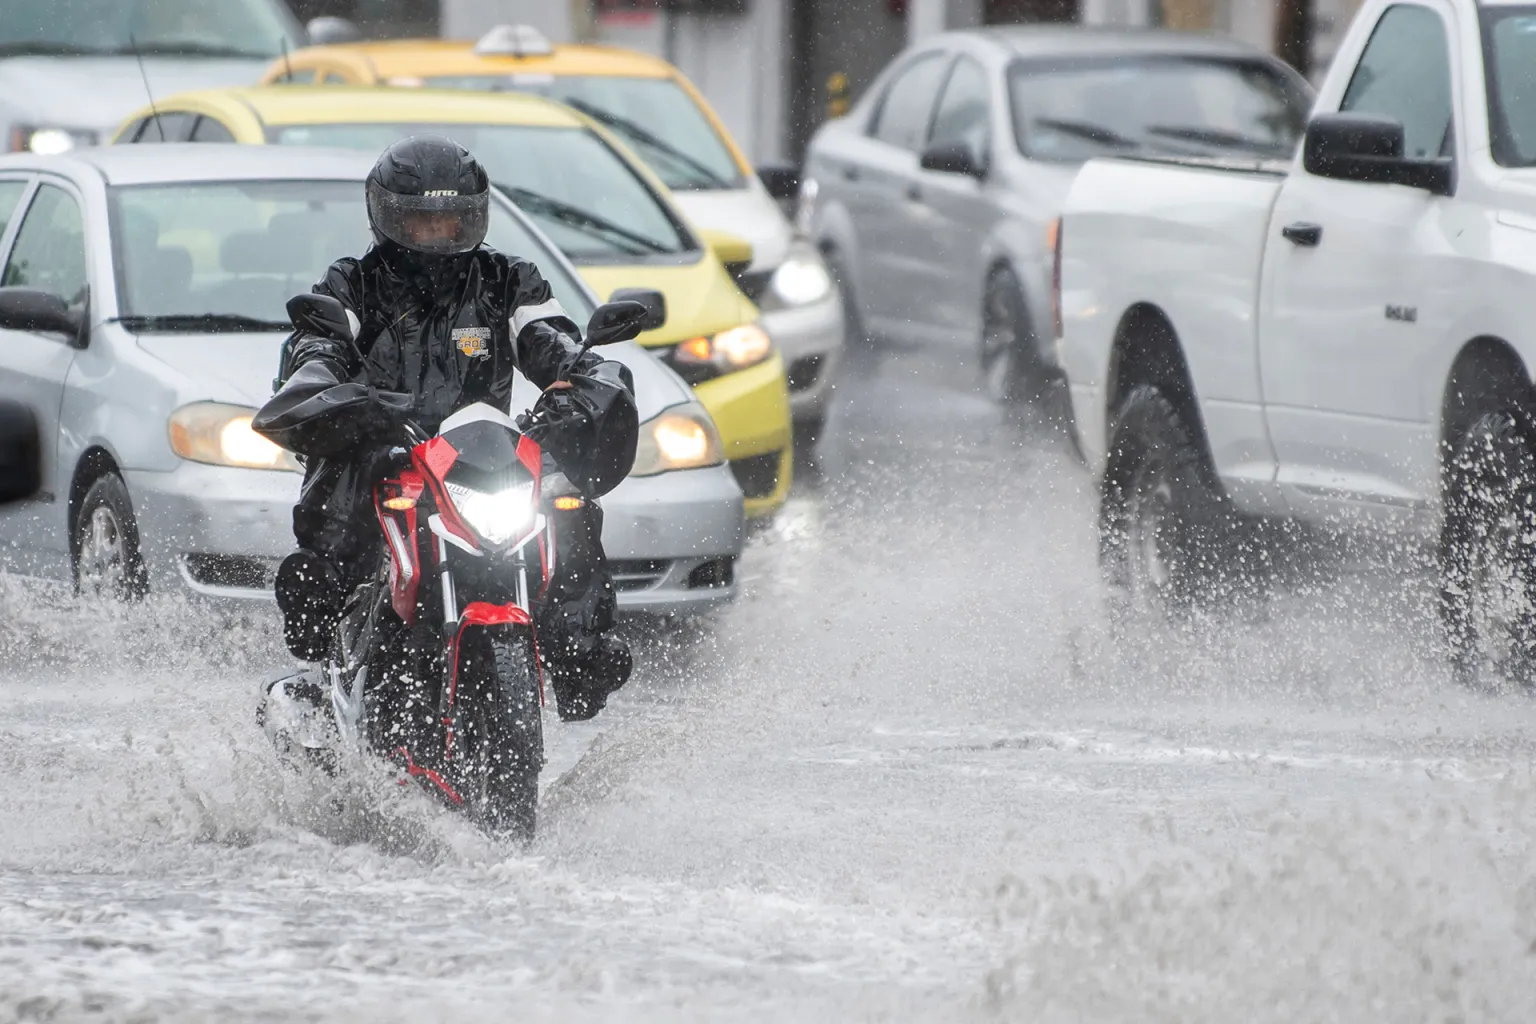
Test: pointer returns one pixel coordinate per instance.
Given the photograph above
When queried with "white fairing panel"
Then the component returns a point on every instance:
(1185, 242)
(477, 413)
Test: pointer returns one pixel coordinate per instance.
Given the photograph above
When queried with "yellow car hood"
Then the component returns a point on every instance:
(701, 297)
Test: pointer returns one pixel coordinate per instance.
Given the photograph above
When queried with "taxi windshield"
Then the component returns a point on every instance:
(654, 116)
(151, 28)
(579, 190)
(227, 256)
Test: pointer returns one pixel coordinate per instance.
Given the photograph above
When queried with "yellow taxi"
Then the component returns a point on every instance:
(598, 203)
(653, 108)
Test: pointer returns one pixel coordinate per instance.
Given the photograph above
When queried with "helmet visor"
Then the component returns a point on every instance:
(440, 225)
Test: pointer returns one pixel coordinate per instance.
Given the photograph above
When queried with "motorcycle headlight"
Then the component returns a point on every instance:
(49, 141)
(497, 517)
(801, 279)
(682, 437)
(221, 435)
(699, 359)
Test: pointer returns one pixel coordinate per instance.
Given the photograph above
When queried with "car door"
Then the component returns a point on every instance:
(882, 181)
(952, 212)
(46, 251)
(1350, 297)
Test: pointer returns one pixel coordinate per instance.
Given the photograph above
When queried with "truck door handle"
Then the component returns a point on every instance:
(915, 192)
(1302, 233)
(850, 173)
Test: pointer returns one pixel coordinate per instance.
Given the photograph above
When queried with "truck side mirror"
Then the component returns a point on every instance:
(328, 31)
(20, 453)
(30, 309)
(1369, 148)
(781, 180)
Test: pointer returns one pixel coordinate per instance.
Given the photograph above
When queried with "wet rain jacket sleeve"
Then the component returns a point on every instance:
(592, 428)
(325, 407)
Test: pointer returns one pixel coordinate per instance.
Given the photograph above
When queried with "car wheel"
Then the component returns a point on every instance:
(106, 544)
(853, 324)
(1010, 370)
(1163, 526)
(1488, 553)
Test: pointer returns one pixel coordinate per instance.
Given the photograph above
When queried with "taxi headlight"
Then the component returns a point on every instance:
(801, 279)
(221, 435)
(737, 348)
(49, 141)
(682, 437)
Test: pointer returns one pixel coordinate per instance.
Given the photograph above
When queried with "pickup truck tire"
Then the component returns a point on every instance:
(1010, 370)
(1164, 529)
(1488, 553)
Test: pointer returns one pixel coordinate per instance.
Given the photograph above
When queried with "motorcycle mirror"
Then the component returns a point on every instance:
(616, 321)
(322, 315)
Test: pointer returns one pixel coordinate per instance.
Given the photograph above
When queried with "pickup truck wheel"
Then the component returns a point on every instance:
(1009, 364)
(1162, 526)
(1488, 553)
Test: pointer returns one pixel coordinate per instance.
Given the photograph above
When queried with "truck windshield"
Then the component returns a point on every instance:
(579, 190)
(1509, 40)
(178, 28)
(655, 116)
(1068, 111)
(228, 255)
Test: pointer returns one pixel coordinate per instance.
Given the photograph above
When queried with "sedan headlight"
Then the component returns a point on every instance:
(221, 435)
(699, 359)
(800, 280)
(682, 437)
(49, 141)
(497, 517)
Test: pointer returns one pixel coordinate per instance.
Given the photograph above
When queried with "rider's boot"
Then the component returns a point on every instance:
(309, 593)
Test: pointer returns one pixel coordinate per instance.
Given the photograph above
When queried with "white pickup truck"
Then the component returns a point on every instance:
(1347, 337)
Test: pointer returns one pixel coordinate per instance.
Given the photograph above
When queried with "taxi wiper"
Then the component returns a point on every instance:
(543, 206)
(1087, 130)
(193, 322)
(624, 126)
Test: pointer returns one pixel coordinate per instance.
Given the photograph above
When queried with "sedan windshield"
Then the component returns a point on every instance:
(591, 203)
(655, 116)
(258, 29)
(1509, 40)
(1070, 111)
(227, 256)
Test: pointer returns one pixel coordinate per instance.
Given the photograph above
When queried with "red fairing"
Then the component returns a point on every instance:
(416, 771)
(399, 529)
(483, 613)
(435, 458)
(531, 455)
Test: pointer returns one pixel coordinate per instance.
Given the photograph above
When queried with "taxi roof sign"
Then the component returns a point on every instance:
(513, 41)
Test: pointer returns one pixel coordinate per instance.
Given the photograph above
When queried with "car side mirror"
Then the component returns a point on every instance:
(328, 31)
(20, 453)
(613, 322)
(323, 316)
(732, 250)
(1369, 148)
(29, 309)
(655, 304)
(952, 158)
(781, 180)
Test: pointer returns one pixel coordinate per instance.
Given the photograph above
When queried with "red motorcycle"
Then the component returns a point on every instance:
(435, 661)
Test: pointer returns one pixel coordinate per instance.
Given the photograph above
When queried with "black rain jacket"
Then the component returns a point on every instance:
(426, 347)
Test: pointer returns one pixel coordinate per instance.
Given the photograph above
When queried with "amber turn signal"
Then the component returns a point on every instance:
(399, 503)
(568, 503)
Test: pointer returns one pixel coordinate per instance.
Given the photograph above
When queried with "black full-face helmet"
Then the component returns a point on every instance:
(429, 197)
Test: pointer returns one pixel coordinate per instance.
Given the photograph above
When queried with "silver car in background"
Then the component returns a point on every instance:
(936, 196)
(141, 316)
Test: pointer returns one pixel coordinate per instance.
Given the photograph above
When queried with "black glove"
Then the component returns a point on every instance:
(384, 461)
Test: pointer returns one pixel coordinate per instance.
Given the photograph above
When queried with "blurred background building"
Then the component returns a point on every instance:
(775, 69)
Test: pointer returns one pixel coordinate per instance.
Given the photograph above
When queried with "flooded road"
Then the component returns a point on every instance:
(912, 774)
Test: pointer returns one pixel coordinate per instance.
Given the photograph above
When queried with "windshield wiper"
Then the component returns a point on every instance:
(624, 126)
(542, 205)
(192, 322)
(47, 48)
(1212, 137)
(169, 48)
(1087, 130)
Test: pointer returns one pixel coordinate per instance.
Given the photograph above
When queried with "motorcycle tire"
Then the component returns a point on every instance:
(501, 740)
(1488, 553)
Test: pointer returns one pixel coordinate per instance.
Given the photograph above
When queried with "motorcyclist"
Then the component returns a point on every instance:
(444, 321)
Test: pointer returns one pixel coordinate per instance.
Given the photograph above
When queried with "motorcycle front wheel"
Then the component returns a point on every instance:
(499, 741)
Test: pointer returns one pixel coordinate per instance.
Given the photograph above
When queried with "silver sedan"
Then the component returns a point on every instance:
(141, 316)
(935, 197)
